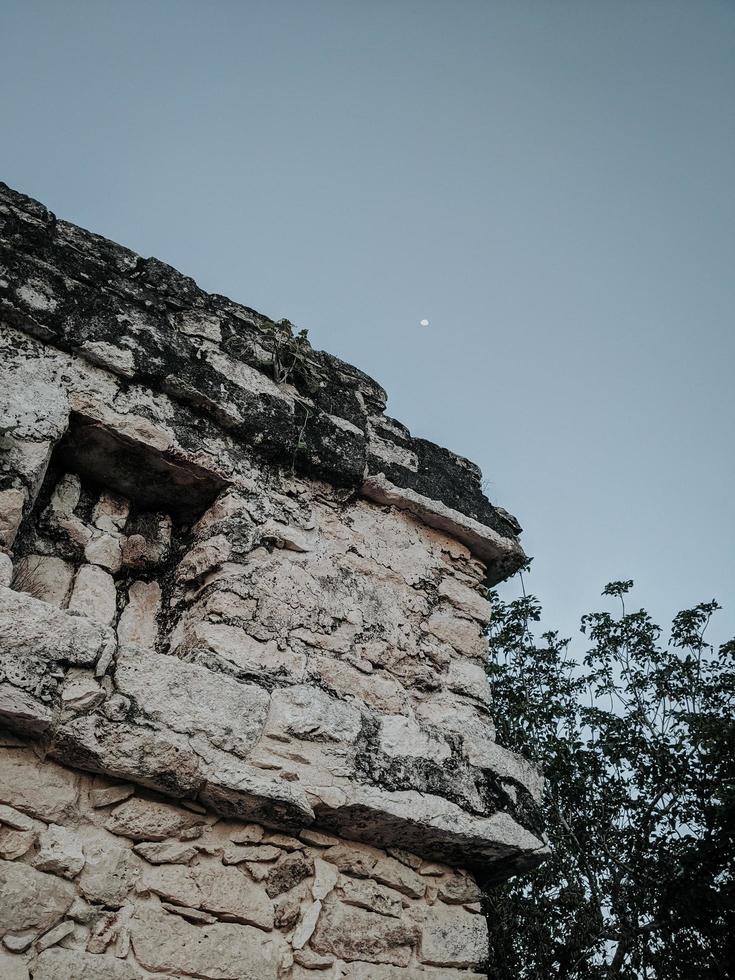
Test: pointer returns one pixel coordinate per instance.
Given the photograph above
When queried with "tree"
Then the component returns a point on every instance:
(638, 747)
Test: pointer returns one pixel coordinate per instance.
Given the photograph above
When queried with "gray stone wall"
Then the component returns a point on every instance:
(102, 879)
(246, 725)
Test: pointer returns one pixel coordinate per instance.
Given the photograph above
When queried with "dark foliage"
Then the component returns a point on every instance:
(638, 746)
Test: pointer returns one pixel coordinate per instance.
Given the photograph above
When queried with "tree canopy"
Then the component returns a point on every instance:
(637, 742)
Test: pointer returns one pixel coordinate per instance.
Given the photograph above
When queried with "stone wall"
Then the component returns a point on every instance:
(99, 879)
(247, 724)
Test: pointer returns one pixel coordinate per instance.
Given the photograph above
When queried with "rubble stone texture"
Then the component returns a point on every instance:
(245, 728)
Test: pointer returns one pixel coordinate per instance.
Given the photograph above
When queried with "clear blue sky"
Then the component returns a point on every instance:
(550, 184)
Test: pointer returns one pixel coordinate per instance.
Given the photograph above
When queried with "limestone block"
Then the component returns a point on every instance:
(39, 788)
(236, 854)
(108, 795)
(104, 550)
(289, 871)
(402, 736)
(66, 495)
(203, 558)
(453, 937)
(221, 951)
(30, 626)
(367, 894)
(59, 851)
(310, 960)
(306, 926)
(19, 942)
(104, 929)
(54, 936)
(172, 882)
(405, 857)
(11, 514)
(12, 967)
(110, 512)
(394, 873)
(161, 761)
(27, 692)
(459, 889)
(6, 570)
(506, 764)
(246, 793)
(94, 595)
(236, 650)
(146, 820)
(250, 834)
(465, 677)
(199, 324)
(306, 712)
(30, 899)
(457, 714)
(45, 577)
(109, 872)
(284, 841)
(191, 700)
(77, 532)
(288, 536)
(149, 548)
(430, 825)
(369, 971)
(318, 838)
(376, 690)
(166, 852)
(465, 599)
(228, 893)
(288, 906)
(356, 934)
(459, 632)
(65, 964)
(351, 859)
(81, 691)
(14, 818)
(138, 621)
(15, 843)
(191, 915)
(325, 878)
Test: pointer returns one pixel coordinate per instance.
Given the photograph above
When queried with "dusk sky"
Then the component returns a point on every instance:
(550, 184)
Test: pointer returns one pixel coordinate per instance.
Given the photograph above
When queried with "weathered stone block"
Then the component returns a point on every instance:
(60, 852)
(94, 595)
(453, 937)
(39, 788)
(221, 951)
(149, 820)
(369, 895)
(46, 577)
(229, 894)
(109, 873)
(356, 934)
(30, 899)
(193, 701)
(138, 620)
(63, 964)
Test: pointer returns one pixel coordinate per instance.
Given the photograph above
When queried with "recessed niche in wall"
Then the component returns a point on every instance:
(111, 522)
(154, 480)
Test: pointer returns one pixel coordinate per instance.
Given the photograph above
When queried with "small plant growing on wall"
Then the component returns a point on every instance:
(288, 352)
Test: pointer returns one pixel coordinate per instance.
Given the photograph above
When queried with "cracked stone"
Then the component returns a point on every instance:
(59, 852)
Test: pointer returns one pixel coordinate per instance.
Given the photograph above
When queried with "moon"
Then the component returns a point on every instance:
(424, 323)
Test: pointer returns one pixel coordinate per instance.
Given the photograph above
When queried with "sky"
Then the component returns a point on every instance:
(549, 184)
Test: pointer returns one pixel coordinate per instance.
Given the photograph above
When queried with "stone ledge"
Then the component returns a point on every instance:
(192, 733)
(502, 555)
